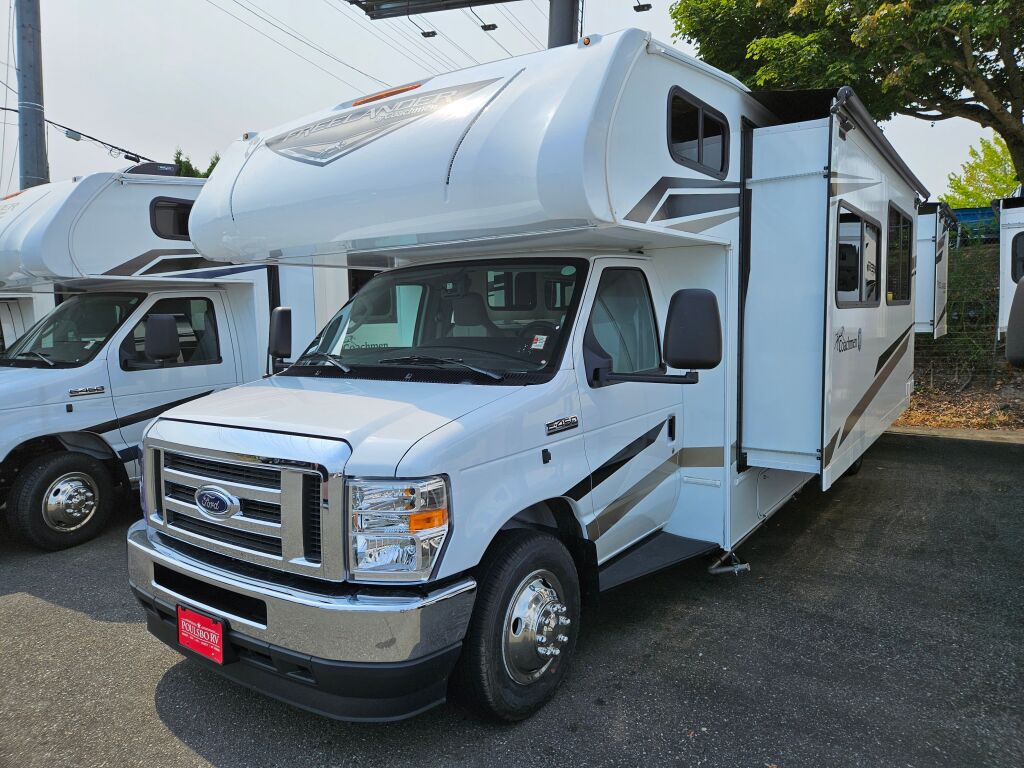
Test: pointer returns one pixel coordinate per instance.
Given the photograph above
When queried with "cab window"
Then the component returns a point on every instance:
(197, 334)
(623, 323)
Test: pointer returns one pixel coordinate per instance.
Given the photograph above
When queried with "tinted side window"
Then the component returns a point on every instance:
(1017, 257)
(169, 217)
(698, 135)
(197, 333)
(898, 250)
(857, 263)
(623, 321)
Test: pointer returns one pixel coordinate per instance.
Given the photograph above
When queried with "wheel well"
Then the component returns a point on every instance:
(80, 442)
(556, 517)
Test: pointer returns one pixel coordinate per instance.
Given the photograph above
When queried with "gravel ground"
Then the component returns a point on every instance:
(882, 624)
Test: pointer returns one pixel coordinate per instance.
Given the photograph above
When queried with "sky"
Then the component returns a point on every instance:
(153, 75)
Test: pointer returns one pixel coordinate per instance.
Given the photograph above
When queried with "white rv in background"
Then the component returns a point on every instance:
(935, 222)
(1010, 211)
(77, 388)
(629, 309)
(19, 311)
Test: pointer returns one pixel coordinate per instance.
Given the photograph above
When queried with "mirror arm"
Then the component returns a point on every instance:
(692, 377)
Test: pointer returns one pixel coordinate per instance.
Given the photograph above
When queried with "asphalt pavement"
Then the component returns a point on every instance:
(882, 624)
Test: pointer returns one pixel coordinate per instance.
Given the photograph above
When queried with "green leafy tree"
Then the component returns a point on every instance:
(930, 59)
(186, 168)
(987, 175)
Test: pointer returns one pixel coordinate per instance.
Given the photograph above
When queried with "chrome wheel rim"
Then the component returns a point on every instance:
(70, 502)
(536, 628)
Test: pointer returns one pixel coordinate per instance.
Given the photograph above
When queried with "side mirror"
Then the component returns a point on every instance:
(693, 331)
(1015, 328)
(280, 343)
(162, 342)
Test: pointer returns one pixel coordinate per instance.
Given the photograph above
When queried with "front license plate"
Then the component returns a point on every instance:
(201, 634)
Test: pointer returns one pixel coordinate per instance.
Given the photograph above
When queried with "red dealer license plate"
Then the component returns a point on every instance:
(201, 634)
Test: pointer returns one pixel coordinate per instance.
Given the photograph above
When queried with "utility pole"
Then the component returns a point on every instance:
(563, 22)
(35, 168)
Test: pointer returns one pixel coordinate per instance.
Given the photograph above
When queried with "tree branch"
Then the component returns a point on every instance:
(1013, 74)
(976, 81)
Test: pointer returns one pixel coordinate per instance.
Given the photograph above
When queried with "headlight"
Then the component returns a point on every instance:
(396, 527)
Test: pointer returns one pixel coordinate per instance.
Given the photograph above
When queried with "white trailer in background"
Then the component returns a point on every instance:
(629, 309)
(19, 311)
(77, 389)
(935, 222)
(1010, 212)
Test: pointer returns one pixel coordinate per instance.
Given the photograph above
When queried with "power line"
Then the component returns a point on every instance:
(519, 27)
(439, 64)
(491, 37)
(381, 35)
(80, 135)
(455, 45)
(274, 40)
(282, 26)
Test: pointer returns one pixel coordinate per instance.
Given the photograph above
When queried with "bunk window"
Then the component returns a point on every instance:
(168, 217)
(698, 135)
(898, 257)
(1017, 257)
(857, 263)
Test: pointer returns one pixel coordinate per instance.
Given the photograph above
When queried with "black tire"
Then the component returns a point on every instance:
(482, 680)
(25, 510)
(855, 467)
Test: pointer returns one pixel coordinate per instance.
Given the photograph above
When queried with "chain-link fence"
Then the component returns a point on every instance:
(969, 351)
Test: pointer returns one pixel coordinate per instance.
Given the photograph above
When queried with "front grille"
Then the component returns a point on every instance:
(278, 517)
(256, 542)
(222, 470)
(311, 502)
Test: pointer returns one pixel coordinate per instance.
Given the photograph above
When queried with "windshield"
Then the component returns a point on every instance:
(486, 320)
(72, 333)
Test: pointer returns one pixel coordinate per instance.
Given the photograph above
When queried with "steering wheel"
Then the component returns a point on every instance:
(538, 328)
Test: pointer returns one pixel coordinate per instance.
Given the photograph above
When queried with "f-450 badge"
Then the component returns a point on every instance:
(847, 342)
(324, 141)
(562, 425)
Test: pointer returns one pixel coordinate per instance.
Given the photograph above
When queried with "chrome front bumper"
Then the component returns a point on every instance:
(364, 626)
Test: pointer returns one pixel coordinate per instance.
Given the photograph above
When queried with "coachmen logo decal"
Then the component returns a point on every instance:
(216, 502)
(324, 141)
(846, 343)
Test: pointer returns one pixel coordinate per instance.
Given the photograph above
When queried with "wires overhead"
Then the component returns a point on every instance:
(76, 135)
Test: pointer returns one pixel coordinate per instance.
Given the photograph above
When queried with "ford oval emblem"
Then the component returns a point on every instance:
(216, 502)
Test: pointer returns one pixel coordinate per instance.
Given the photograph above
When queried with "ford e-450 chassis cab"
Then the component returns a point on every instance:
(629, 308)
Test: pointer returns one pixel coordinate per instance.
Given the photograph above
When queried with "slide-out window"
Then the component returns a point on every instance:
(623, 323)
(898, 255)
(1017, 257)
(857, 263)
(168, 217)
(698, 135)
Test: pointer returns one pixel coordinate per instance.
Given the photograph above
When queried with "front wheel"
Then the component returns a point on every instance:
(60, 500)
(522, 635)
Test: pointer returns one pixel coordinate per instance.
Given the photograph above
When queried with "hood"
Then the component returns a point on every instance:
(380, 420)
(27, 387)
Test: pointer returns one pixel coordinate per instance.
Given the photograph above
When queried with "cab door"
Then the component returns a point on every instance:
(630, 429)
(143, 389)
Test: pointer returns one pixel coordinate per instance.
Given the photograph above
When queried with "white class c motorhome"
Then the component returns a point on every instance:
(935, 222)
(1010, 213)
(629, 309)
(77, 389)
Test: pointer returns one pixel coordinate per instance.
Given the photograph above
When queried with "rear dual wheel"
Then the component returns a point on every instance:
(523, 631)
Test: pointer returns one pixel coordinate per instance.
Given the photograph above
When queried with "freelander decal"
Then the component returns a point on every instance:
(324, 141)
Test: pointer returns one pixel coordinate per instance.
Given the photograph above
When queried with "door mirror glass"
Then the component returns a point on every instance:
(280, 345)
(162, 342)
(693, 331)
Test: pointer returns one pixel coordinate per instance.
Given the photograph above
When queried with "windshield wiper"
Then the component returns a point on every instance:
(428, 360)
(40, 355)
(334, 360)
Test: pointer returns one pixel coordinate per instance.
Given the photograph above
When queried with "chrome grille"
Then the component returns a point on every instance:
(261, 529)
(289, 514)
